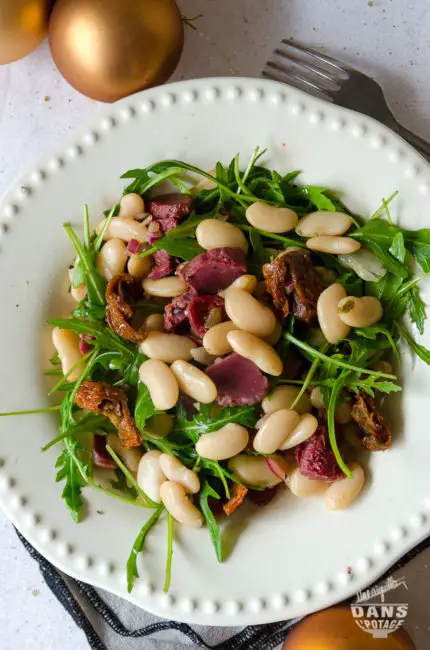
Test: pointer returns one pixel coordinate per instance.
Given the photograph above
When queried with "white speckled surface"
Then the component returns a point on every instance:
(37, 109)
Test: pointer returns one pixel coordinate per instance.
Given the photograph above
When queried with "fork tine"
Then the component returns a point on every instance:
(314, 69)
(324, 58)
(278, 72)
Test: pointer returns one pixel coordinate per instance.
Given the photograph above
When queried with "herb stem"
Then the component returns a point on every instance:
(308, 378)
(271, 235)
(48, 409)
(168, 577)
(72, 369)
(334, 395)
(149, 502)
(99, 241)
(342, 364)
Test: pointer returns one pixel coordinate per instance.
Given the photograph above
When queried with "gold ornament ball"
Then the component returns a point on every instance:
(108, 49)
(23, 25)
(336, 629)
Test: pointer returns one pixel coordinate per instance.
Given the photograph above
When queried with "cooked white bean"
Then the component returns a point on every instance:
(225, 443)
(167, 347)
(271, 218)
(253, 348)
(278, 426)
(169, 287)
(323, 222)
(215, 340)
(150, 476)
(179, 505)
(332, 326)
(205, 183)
(176, 471)
(360, 312)
(248, 314)
(304, 429)
(200, 355)
(384, 366)
(112, 258)
(78, 293)
(194, 382)
(246, 282)
(154, 323)
(130, 457)
(124, 228)
(274, 337)
(342, 413)
(66, 344)
(131, 205)
(334, 245)
(317, 398)
(304, 487)
(253, 470)
(343, 492)
(282, 397)
(139, 267)
(213, 233)
(161, 383)
(159, 425)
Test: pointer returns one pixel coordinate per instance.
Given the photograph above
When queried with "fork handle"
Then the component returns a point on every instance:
(415, 140)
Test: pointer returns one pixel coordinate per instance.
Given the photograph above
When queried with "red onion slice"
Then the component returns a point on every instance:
(101, 457)
(275, 468)
(133, 246)
(85, 347)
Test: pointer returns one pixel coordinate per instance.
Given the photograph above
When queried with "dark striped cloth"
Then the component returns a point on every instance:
(110, 623)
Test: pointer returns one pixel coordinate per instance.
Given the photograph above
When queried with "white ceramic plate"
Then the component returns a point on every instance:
(291, 557)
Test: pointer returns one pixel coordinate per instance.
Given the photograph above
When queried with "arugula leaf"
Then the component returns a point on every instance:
(385, 288)
(318, 197)
(420, 350)
(261, 256)
(96, 285)
(378, 235)
(104, 337)
(168, 572)
(418, 243)
(138, 545)
(416, 308)
(78, 276)
(332, 402)
(214, 530)
(184, 247)
(373, 331)
(397, 248)
(371, 384)
(144, 408)
(121, 485)
(69, 471)
(210, 418)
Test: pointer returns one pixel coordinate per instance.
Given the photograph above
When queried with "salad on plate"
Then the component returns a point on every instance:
(232, 338)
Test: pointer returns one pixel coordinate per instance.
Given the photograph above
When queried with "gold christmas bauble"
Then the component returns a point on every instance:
(23, 24)
(336, 629)
(108, 49)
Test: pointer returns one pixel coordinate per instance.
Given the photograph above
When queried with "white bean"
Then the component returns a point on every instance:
(334, 245)
(154, 323)
(159, 425)
(205, 183)
(360, 312)
(112, 258)
(274, 337)
(282, 397)
(342, 493)
(150, 476)
(253, 348)
(246, 282)
(254, 471)
(304, 429)
(131, 205)
(78, 293)
(179, 505)
(194, 382)
(384, 366)
(130, 457)
(169, 287)
(161, 383)
(167, 347)
(224, 443)
(342, 413)
(139, 267)
(124, 228)
(215, 340)
(248, 314)
(66, 344)
(213, 233)
(271, 217)
(332, 326)
(176, 471)
(317, 398)
(323, 222)
(200, 355)
(304, 487)
(278, 426)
